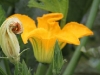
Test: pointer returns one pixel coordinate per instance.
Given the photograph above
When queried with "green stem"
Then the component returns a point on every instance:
(49, 71)
(7, 67)
(63, 21)
(72, 64)
(41, 69)
(16, 71)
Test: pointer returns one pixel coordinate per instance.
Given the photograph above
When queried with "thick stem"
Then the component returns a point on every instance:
(49, 71)
(41, 69)
(72, 64)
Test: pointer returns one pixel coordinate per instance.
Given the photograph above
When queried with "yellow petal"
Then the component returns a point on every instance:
(62, 44)
(49, 22)
(39, 33)
(79, 30)
(43, 45)
(67, 37)
(28, 25)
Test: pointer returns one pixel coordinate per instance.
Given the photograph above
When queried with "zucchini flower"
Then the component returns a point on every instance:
(44, 35)
(8, 40)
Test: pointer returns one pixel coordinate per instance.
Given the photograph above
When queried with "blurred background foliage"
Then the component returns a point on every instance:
(89, 63)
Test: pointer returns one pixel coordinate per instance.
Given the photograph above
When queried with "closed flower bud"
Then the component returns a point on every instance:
(8, 40)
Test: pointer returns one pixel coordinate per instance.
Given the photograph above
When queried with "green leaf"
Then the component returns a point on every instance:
(2, 15)
(8, 2)
(57, 60)
(2, 72)
(50, 5)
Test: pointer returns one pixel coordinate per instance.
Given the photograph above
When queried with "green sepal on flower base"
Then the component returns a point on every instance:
(21, 69)
(58, 61)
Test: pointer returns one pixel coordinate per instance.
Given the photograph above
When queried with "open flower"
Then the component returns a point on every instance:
(44, 35)
(8, 39)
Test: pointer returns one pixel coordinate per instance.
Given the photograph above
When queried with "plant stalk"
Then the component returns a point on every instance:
(41, 69)
(49, 71)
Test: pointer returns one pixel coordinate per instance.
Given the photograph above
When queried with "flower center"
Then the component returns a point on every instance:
(16, 28)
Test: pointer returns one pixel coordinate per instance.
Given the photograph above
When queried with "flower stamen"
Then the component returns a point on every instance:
(16, 28)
